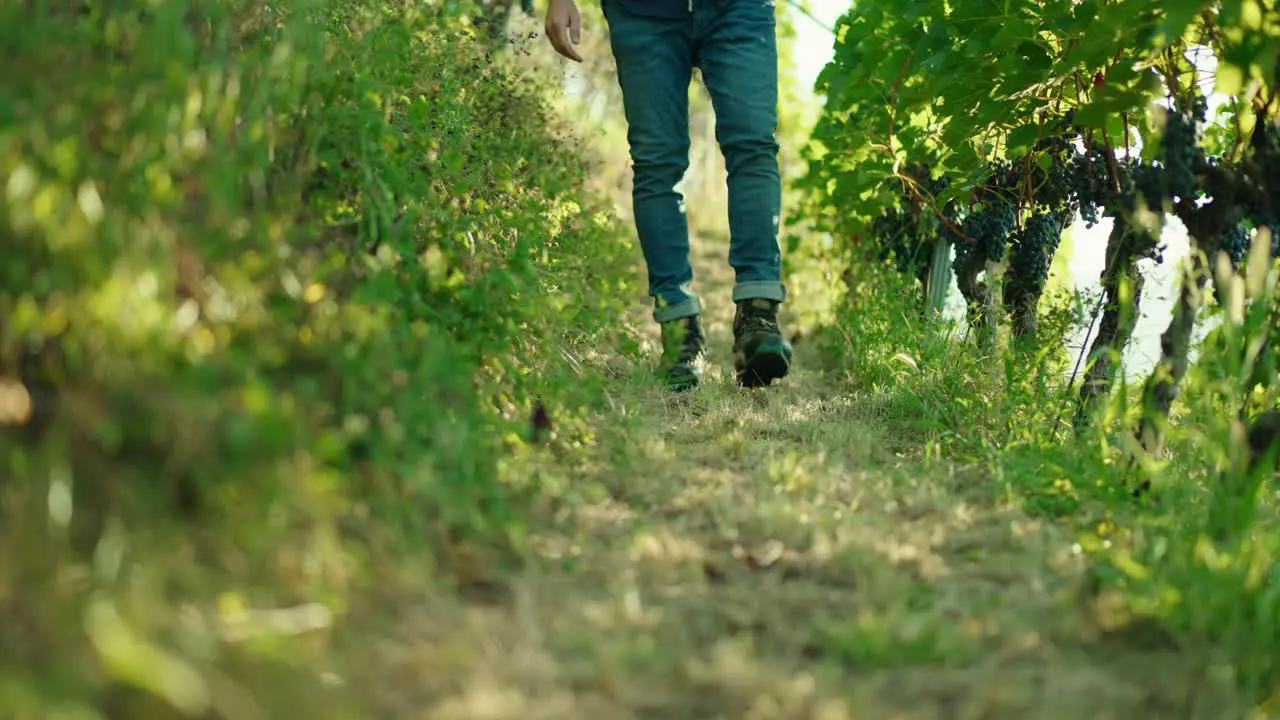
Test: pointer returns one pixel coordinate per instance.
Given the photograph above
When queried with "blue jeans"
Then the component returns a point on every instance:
(734, 42)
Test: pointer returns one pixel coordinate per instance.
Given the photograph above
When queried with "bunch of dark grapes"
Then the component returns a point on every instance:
(1050, 185)
(897, 236)
(1235, 242)
(1003, 180)
(1089, 174)
(1032, 249)
(1179, 154)
(1140, 244)
(1057, 144)
(1263, 169)
(990, 227)
(1056, 186)
(1151, 183)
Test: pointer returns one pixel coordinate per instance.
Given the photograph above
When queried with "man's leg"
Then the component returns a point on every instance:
(655, 65)
(738, 54)
(654, 56)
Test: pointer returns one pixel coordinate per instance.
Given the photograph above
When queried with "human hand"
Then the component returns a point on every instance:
(564, 27)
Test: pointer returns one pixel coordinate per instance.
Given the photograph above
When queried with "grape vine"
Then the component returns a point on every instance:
(1033, 247)
(1052, 131)
(905, 233)
(1049, 115)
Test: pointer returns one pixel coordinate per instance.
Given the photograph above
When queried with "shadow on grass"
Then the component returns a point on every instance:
(765, 554)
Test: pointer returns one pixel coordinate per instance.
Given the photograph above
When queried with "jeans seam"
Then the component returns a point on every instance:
(760, 289)
(686, 308)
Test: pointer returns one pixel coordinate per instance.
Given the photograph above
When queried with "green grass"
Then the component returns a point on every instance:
(771, 554)
(316, 493)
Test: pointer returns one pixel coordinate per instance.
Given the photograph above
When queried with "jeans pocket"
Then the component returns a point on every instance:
(751, 12)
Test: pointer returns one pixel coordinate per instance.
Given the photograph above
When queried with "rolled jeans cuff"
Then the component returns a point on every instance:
(760, 290)
(684, 309)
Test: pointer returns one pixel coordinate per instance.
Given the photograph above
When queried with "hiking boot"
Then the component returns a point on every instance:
(760, 353)
(683, 349)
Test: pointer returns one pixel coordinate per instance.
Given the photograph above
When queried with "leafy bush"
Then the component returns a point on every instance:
(1072, 112)
(1196, 554)
(268, 270)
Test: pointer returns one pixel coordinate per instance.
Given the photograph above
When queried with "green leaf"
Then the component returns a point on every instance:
(1092, 115)
(1229, 79)
(1022, 138)
(1177, 15)
(1115, 127)
(1112, 99)
(1034, 57)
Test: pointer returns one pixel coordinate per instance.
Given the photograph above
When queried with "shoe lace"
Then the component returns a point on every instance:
(757, 320)
(690, 342)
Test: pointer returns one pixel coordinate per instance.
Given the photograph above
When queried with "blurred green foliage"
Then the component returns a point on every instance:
(268, 270)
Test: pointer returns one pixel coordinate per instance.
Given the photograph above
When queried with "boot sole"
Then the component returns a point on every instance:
(681, 385)
(766, 364)
(682, 382)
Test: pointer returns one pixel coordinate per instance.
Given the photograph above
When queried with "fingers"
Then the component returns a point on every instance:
(563, 35)
(557, 35)
(553, 34)
(564, 31)
(575, 28)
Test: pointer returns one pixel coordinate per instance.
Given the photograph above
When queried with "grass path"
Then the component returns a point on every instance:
(760, 555)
